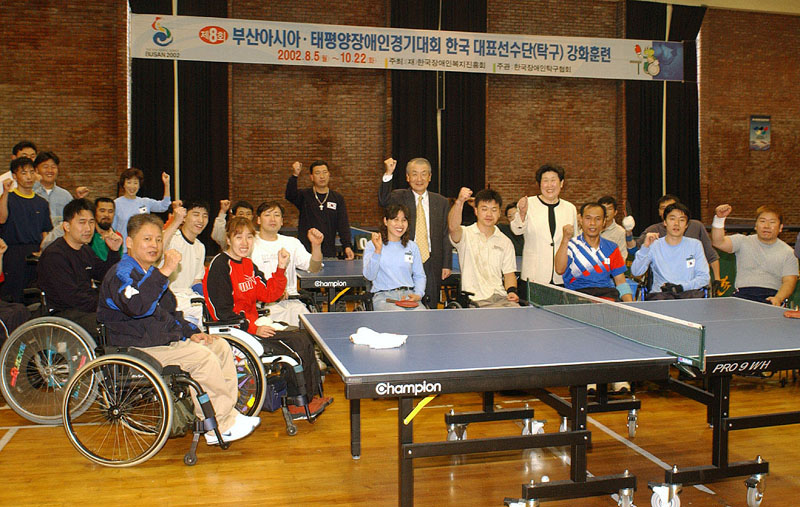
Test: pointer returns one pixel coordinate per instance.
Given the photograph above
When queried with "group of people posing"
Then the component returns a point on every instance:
(115, 262)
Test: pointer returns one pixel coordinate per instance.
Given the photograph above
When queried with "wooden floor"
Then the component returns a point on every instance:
(38, 466)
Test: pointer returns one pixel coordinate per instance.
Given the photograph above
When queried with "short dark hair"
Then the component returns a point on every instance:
(668, 197)
(21, 146)
(317, 163)
(191, 204)
(104, 199)
(240, 204)
(487, 194)
(75, 206)
(549, 168)
(136, 222)
(44, 156)
(19, 163)
(389, 213)
(593, 204)
(264, 206)
(512, 205)
(129, 173)
(607, 199)
(677, 206)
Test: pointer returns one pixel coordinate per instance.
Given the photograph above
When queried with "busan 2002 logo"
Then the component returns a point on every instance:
(162, 37)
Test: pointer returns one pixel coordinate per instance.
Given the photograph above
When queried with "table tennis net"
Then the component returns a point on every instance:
(683, 339)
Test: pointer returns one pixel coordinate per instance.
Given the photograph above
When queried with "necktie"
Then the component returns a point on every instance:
(421, 232)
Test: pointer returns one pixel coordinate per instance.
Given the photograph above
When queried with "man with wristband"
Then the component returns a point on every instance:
(589, 263)
(486, 255)
(766, 268)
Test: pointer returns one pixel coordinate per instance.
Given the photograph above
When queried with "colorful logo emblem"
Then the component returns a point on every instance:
(162, 37)
(213, 35)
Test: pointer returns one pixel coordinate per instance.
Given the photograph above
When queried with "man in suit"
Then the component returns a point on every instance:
(431, 236)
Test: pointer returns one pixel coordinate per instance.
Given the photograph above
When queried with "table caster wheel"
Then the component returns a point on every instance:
(625, 498)
(457, 432)
(755, 490)
(633, 419)
(532, 427)
(657, 501)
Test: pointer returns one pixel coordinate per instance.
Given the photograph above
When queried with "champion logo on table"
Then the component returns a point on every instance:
(388, 389)
(334, 283)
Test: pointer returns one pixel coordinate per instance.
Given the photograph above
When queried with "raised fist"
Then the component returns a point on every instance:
(522, 206)
(81, 192)
(283, 258)
(464, 194)
(389, 164)
(113, 240)
(377, 241)
(224, 206)
(179, 213)
(723, 210)
(165, 178)
(568, 230)
(171, 260)
(7, 185)
(296, 168)
(315, 236)
(650, 238)
(628, 223)
(3, 247)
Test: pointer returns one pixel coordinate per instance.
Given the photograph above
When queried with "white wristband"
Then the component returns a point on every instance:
(718, 222)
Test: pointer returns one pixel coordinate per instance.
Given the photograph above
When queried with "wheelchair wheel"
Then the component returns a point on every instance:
(131, 415)
(37, 361)
(250, 375)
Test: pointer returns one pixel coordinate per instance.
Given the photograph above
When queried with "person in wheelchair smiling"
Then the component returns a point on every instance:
(392, 262)
(139, 311)
(233, 286)
(680, 269)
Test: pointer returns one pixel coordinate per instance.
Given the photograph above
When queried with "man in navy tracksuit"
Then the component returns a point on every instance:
(138, 310)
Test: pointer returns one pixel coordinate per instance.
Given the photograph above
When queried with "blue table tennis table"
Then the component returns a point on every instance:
(337, 275)
(451, 351)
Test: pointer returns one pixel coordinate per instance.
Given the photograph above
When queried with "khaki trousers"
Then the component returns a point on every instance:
(212, 367)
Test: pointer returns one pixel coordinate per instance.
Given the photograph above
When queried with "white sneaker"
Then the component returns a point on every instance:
(254, 421)
(240, 429)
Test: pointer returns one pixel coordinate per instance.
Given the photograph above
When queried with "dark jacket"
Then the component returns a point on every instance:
(65, 275)
(137, 308)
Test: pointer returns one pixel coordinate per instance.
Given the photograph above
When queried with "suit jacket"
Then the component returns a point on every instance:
(441, 250)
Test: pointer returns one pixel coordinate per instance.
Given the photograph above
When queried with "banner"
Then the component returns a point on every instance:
(269, 42)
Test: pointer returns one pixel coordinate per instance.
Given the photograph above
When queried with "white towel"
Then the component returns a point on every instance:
(376, 340)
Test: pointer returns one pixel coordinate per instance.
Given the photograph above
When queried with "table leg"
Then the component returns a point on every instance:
(578, 417)
(355, 428)
(405, 435)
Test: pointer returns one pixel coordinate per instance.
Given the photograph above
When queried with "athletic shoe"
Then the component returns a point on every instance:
(315, 408)
(240, 429)
(254, 421)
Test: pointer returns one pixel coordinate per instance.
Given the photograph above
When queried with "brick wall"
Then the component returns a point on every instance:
(280, 114)
(749, 66)
(576, 123)
(63, 87)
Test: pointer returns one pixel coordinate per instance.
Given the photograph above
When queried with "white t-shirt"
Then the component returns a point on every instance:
(265, 257)
(192, 265)
(762, 264)
(484, 261)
